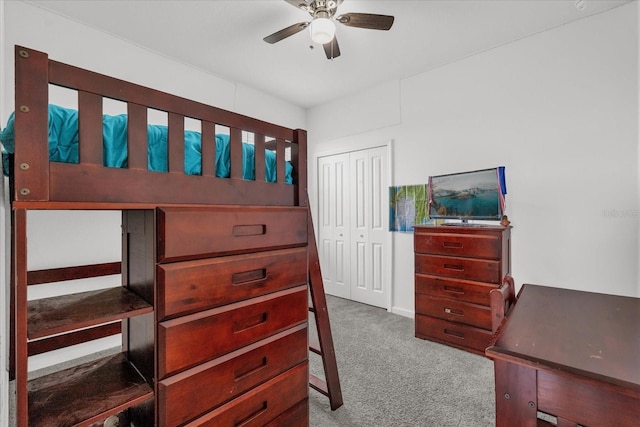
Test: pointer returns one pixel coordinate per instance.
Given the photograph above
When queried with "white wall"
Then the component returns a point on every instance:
(560, 110)
(638, 122)
(70, 42)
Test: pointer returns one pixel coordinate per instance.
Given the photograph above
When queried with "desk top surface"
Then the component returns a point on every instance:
(582, 333)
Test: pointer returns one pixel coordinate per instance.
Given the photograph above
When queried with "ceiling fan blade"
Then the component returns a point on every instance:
(331, 49)
(366, 20)
(286, 32)
(300, 4)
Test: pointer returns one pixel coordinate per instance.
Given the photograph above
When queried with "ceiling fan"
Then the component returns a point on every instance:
(322, 27)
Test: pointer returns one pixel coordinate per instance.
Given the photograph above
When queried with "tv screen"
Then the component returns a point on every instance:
(467, 195)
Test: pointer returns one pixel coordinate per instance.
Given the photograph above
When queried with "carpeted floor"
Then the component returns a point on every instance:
(390, 378)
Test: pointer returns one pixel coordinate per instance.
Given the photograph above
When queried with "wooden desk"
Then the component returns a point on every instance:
(570, 354)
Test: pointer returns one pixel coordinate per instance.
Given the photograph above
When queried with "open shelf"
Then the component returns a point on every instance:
(57, 315)
(87, 393)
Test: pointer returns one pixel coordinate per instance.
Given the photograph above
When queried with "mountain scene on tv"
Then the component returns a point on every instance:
(467, 195)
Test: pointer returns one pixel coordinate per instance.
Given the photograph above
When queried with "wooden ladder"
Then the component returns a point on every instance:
(330, 386)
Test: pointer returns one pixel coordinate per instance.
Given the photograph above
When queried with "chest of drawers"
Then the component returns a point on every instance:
(462, 283)
(229, 334)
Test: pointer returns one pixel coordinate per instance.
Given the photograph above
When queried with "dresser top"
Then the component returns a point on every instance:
(582, 333)
(456, 228)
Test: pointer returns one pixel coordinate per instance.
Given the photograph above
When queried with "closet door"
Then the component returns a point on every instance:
(352, 226)
(333, 223)
(369, 223)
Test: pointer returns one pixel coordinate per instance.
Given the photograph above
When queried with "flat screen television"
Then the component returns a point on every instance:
(468, 195)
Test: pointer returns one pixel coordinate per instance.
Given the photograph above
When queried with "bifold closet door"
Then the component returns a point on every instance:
(369, 194)
(353, 225)
(333, 224)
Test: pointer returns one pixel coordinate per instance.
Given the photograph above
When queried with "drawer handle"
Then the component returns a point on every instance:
(452, 245)
(249, 230)
(454, 290)
(250, 369)
(457, 267)
(249, 277)
(262, 408)
(249, 322)
(456, 334)
(453, 311)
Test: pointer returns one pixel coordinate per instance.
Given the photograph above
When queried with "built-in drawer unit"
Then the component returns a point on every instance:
(232, 305)
(456, 268)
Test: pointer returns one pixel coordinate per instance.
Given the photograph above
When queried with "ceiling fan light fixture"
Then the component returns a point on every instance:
(322, 30)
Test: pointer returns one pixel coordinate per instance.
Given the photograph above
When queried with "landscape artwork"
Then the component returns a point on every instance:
(408, 207)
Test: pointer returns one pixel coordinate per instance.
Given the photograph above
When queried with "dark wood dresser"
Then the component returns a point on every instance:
(227, 344)
(568, 358)
(463, 286)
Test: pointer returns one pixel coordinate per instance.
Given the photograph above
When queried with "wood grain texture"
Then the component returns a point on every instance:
(456, 270)
(454, 310)
(445, 287)
(485, 246)
(72, 338)
(212, 333)
(229, 376)
(192, 233)
(86, 393)
(64, 313)
(454, 334)
(36, 179)
(190, 286)
(262, 404)
(38, 277)
(584, 353)
(480, 270)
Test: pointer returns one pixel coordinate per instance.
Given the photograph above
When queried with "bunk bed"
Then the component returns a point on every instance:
(213, 303)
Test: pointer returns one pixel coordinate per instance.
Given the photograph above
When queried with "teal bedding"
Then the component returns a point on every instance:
(63, 146)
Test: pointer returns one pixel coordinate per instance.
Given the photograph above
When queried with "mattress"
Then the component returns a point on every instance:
(63, 146)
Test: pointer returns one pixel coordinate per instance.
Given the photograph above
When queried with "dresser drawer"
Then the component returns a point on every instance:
(224, 378)
(195, 233)
(486, 246)
(189, 340)
(190, 286)
(454, 310)
(459, 268)
(464, 290)
(296, 416)
(262, 404)
(455, 334)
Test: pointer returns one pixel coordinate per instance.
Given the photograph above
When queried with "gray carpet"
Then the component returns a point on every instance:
(390, 378)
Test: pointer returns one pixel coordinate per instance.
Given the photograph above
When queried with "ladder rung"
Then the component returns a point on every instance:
(315, 347)
(312, 309)
(318, 384)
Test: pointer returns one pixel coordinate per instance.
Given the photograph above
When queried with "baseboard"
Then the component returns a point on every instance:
(403, 312)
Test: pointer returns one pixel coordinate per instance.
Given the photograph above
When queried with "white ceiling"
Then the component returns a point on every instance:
(225, 37)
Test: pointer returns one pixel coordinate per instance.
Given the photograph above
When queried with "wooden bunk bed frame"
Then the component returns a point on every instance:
(181, 234)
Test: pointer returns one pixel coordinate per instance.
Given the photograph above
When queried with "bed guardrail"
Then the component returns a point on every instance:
(36, 179)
